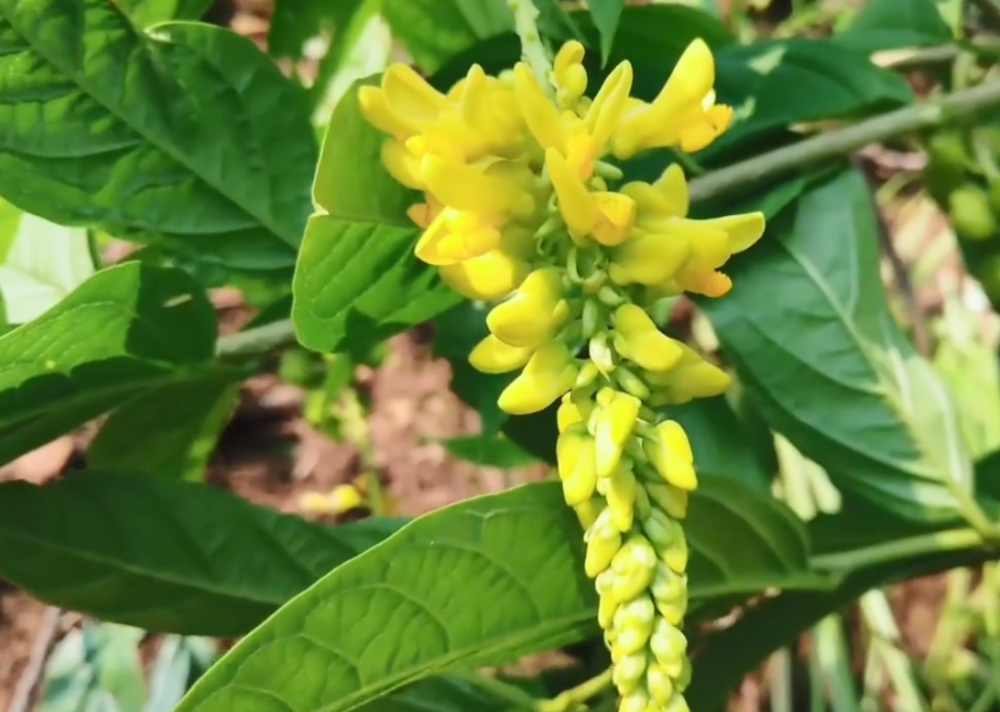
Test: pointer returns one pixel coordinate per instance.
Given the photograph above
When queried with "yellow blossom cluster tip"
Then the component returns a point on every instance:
(524, 208)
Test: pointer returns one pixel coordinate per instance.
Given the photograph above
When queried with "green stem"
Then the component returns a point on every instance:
(578, 695)
(949, 540)
(258, 340)
(846, 140)
(533, 50)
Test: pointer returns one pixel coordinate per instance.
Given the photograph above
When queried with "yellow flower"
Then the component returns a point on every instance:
(486, 277)
(569, 72)
(491, 355)
(456, 236)
(606, 216)
(492, 186)
(533, 312)
(683, 114)
(540, 114)
(693, 377)
(549, 374)
(577, 467)
(648, 258)
(638, 340)
(401, 164)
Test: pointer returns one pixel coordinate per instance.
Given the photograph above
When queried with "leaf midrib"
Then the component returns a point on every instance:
(78, 79)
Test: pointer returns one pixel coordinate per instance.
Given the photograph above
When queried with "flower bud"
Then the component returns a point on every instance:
(669, 451)
(633, 623)
(577, 467)
(616, 418)
(671, 500)
(603, 544)
(669, 647)
(628, 672)
(659, 683)
(620, 493)
(635, 701)
(633, 568)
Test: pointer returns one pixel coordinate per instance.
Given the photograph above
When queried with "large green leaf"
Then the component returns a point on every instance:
(772, 85)
(809, 331)
(189, 136)
(169, 432)
(476, 583)
(357, 280)
(164, 555)
(433, 31)
(652, 37)
(149, 12)
(894, 24)
(44, 263)
(127, 329)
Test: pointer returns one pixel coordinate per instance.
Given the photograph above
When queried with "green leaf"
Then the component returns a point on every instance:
(487, 451)
(433, 31)
(127, 329)
(606, 15)
(809, 331)
(295, 22)
(357, 279)
(150, 121)
(772, 85)
(440, 694)
(44, 263)
(476, 583)
(169, 432)
(150, 12)
(652, 37)
(727, 655)
(895, 24)
(163, 555)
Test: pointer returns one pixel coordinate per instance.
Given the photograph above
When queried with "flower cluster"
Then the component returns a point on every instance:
(523, 207)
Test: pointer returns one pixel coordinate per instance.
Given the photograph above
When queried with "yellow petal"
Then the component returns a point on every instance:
(570, 54)
(608, 106)
(709, 244)
(649, 258)
(615, 217)
(712, 284)
(533, 313)
(409, 95)
(496, 188)
(672, 185)
(699, 133)
(650, 202)
(743, 230)
(690, 81)
(440, 245)
(548, 375)
(488, 277)
(575, 204)
(401, 164)
(375, 109)
(494, 356)
(539, 112)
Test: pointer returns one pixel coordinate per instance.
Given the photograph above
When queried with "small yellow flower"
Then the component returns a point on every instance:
(494, 186)
(638, 340)
(683, 114)
(649, 258)
(549, 374)
(487, 277)
(540, 114)
(534, 311)
(670, 453)
(569, 72)
(491, 355)
(606, 216)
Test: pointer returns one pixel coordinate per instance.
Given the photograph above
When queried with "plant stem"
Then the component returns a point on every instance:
(949, 540)
(578, 695)
(846, 140)
(258, 340)
(533, 50)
